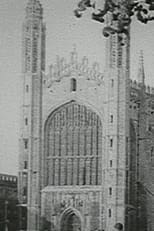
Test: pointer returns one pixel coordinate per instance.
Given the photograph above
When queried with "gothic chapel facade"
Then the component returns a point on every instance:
(80, 154)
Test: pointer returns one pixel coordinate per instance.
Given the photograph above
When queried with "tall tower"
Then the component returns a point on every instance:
(33, 67)
(117, 126)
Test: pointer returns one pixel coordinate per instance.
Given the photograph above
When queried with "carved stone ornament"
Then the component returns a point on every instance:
(63, 69)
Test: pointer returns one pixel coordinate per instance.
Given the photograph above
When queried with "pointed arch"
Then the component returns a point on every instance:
(71, 220)
(73, 140)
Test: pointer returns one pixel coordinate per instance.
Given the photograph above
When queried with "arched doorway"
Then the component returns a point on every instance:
(70, 221)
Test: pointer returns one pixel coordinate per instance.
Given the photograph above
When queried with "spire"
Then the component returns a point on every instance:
(141, 74)
(34, 2)
(34, 8)
(33, 37)
(74, 55)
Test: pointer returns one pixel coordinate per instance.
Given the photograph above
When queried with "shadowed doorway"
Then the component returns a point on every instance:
(70, 222)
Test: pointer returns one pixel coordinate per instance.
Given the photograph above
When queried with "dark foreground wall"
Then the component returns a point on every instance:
(8, 203)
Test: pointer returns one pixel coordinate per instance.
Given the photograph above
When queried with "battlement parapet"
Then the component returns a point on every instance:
(134, 84)
(149, 90)
(137, 86)
(8, 178)
(62, 69)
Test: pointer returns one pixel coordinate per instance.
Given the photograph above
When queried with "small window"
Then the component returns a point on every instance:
(26, 144)
(110, 163)
(110, 213)
(26, 121)
(25, 164)
(152, 152)
(111, 118)
(112, 82)
(24, 191)
(110, 191)
(111, 143)
(73, 84)
(27, 88)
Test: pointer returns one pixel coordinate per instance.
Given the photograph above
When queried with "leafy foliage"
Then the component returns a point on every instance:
(121, 12)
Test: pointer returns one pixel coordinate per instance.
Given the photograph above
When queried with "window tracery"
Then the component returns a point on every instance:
(73, 135)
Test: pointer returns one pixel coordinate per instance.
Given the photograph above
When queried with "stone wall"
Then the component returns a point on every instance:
(86, 202)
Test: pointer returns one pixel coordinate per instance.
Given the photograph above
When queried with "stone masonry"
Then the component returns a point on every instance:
(87, 138)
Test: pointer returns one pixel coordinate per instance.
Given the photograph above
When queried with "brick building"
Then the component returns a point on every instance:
(8, 203)
(86, 143)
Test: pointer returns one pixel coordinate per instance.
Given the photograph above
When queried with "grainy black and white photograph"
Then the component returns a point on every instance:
(76, 115)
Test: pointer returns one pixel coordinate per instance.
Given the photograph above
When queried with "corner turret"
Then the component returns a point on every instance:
(141, 73)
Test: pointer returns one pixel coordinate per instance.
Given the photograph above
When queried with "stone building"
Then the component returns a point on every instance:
(8, 203)
(86, 142)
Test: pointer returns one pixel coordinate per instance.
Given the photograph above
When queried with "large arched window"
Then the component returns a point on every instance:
(73, 146)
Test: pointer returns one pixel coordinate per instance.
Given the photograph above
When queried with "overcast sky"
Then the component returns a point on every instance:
(63, 31)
